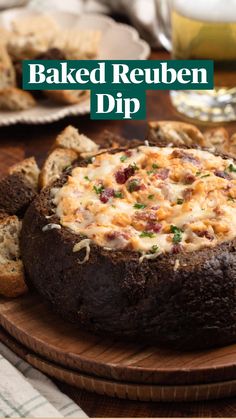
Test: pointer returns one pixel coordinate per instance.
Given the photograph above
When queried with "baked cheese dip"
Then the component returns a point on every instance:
(151, 200)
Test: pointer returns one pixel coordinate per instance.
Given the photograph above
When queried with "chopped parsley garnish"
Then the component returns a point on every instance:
(153, 171)
(180, 201)
(154, 249)
(139, 205)
(177, 234)
(150, 197)
(98, 189)
(147, 234)
(207, 175)
(232, 168)
(133, 185)
(134, 166)
(123, 158)
(87, 178)
(198, 173)
(118, 194)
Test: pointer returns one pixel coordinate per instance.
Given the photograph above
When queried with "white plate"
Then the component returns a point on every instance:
(119, 42)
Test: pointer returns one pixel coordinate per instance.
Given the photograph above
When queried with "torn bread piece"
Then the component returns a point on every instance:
(5, 34)
(232, 145)
(217, 139)
(7, 71)
(41, 25)
(58, 160)
(71, 138)
(77, 44)
(14, 99)
(12, 280)
(175, 133)
(67, 97)
(29, 169)
(23, 47)
(16, 193)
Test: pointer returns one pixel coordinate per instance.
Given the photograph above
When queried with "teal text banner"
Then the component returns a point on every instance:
(118, 88)
(118, 75)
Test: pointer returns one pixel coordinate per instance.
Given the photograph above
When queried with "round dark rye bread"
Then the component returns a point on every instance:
(114, 294)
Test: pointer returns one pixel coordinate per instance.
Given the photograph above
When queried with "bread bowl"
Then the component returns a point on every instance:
(173, 281)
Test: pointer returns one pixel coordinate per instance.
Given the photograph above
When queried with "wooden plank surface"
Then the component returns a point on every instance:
(33, 324)
(19, 141)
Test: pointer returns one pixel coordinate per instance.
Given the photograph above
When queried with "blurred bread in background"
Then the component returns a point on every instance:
(38, 36)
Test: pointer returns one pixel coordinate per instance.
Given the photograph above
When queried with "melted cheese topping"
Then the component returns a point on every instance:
(151, 200)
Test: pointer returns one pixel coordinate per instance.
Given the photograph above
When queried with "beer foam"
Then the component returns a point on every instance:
(207, 10)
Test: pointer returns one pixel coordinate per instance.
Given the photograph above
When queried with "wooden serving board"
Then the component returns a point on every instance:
(110, 367)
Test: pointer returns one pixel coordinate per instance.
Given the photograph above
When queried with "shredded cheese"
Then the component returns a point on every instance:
(83, 244)
(51, 226)
(151, 200)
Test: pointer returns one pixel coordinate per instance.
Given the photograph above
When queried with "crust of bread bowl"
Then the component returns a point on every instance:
(185, 300)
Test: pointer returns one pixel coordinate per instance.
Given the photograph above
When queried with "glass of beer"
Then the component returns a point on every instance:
(203, 29)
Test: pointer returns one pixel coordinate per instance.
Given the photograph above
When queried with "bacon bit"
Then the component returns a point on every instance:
(176, 248)
(155, 207)
(118, 240)
(204, 233)
(189, 178)
(218, 211)
(123, 175)
(106, 194)
(187, 194)
(128, 153)
(154, 227)
(113, 235)
(178, 154)
(186, 157)
(162, 174)
(189, 158)
(145, 215)
(134, 185)
(222, 174)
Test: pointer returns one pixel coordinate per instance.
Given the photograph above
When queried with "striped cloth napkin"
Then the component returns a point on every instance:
(26, 392)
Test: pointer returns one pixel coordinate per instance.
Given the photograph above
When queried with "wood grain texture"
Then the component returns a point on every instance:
(122, 390)
(112, 368)
(23, 141)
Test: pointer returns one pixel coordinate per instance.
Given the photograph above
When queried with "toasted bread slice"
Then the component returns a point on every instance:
(12, 281)
(26, 47)
(5, 34)
(67, 97)
(77, 44)
(232, 145)
(14, 99)
(71, 138)
(16, 193)
(7, 76)
(54, 165)
(29, 169)
(175, 133)
(38, 24)
(7, 71)
(217, 139)
(109, 140)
